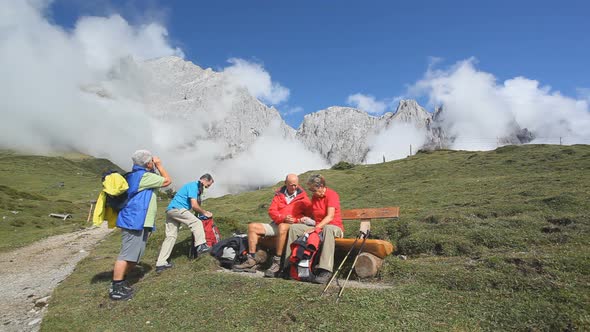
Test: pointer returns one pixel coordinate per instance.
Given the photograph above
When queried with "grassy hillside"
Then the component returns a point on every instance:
(32, 187)
(494, 240)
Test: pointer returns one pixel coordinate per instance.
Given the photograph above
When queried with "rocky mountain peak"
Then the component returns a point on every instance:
(409, 111)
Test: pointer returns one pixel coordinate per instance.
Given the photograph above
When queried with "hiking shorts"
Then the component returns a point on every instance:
(271, 229)
(132, 244)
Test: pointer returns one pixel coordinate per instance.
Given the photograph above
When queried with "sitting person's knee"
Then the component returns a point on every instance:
(284, 228)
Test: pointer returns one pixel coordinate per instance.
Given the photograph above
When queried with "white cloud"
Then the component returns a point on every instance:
(395, 142)
(257, 80)
(584, 94)
(366, 103)
(43, 69)
(292, 110)
(104, 40)
(268, 160)
(51, 79)
(478, 109)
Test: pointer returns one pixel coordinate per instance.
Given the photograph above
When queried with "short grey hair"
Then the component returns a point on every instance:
(317, 180)
(206, 177)
(141, 157)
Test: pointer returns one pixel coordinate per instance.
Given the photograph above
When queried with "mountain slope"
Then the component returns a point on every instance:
(32, 187)
(494, 240)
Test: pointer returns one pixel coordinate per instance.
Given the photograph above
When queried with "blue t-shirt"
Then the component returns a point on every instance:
(182, 199)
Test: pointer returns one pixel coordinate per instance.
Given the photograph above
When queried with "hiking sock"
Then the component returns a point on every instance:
(118, 282)
(251, 255)
(276, 258)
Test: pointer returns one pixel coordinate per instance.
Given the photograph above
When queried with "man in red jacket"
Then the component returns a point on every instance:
(289, 205)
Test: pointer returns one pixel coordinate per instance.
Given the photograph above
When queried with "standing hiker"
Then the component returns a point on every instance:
(180, 210)
(136, 219)
(325, 204)
(288, 206)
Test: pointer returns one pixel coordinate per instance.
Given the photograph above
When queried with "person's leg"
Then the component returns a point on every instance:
(331, 232)
(129, 253)
(120, 270)
(295, 231)
(282, 238)
(132, 244)
(194, 224)
(281, 231)
(255, 230)
(170, 240)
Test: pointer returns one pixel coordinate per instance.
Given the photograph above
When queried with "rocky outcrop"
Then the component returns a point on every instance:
(228, 112)
(342, 133)
(338, 133)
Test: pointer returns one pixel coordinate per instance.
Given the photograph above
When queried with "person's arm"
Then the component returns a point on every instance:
(327, 219)
(197, 208)
(163, 172)
(273, 210)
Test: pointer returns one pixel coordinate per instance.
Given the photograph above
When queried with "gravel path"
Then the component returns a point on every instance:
(28, 275)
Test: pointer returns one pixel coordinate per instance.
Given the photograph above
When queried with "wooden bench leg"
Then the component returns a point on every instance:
(367, 265)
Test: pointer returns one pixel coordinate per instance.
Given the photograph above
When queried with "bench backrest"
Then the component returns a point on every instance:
(365, 215)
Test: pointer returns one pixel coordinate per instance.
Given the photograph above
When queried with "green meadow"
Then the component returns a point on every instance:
(486, 241)
(32, 187)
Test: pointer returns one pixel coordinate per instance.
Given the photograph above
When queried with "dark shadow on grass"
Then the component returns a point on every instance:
(181, 248)
(133, 277)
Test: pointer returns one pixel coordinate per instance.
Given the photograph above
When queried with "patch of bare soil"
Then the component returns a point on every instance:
(28, 275)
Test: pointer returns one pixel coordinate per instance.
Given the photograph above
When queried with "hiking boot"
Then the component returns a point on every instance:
(322, 277)
(202, 249)
(125, 285)
(249, 264)
(275, 269)
(196, 252)
(121, 291)
(164, 267)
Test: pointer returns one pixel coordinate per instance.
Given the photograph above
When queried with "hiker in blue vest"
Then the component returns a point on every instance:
(180, 210)
(136, 219)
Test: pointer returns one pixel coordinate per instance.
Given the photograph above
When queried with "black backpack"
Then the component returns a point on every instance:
(231, 251)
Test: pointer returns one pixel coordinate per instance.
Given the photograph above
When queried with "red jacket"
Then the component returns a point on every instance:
(300, 206)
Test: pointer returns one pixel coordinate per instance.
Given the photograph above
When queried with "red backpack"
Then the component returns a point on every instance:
(304, 256)
(212, 235)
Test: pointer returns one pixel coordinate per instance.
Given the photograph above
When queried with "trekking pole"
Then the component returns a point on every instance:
(341, 264)
(366, 235)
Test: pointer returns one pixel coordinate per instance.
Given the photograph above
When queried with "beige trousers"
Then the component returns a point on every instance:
(175, 217)
(331, 232)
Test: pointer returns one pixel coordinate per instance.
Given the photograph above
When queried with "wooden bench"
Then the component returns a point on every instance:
(371, 259)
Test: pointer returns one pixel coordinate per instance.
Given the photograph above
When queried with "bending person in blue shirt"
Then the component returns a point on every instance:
(179, 211)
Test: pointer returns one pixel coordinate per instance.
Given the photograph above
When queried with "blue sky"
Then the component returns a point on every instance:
(325, 51)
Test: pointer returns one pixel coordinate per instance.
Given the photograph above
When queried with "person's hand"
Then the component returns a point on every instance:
(309, 231)
(308, 221)
(289, 219)
(208, 214)
(156, 160)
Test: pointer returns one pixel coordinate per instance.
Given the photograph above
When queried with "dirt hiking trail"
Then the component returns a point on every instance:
(28, 275)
